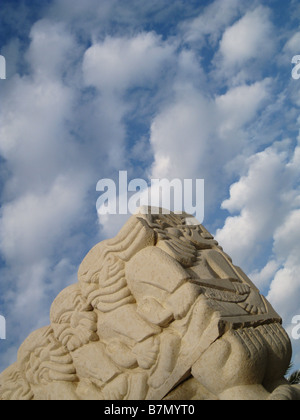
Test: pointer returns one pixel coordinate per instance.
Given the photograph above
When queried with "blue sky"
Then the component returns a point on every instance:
(181, 89)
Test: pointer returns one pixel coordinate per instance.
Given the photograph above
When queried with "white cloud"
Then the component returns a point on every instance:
(285, 288)
(32, 123)
(51, 46)
(287, 238)
(261, 200)
(212, 21)
(249, 38)
(112, 224)
(31, 225)
(246, 47)
(34, 136)
(266, 201)
(179, 134)
(292, 46)
(121, 63)
(263, 278)
(284, 292)
(239, 105)
(196, 132)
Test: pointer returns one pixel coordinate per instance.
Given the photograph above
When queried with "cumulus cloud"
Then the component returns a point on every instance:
(258, 203)
(285, 288)
(245, 46)
(121, 63)
(180, 133)
(265, 214)
(292, 45)
(31, 225)
(241, 42)
(34, 113)
(212, 22)
(204, 131)
(263, 278)
(51, 46)
(239, 105)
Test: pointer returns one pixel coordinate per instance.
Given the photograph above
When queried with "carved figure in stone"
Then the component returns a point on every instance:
(159, 312)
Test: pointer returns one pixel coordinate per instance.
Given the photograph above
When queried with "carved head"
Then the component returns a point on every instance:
(73, 321)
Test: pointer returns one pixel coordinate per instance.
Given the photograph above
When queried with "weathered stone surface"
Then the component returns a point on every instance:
(159, 312)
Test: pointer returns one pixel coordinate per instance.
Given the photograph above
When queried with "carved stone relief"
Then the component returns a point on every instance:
(159, 312)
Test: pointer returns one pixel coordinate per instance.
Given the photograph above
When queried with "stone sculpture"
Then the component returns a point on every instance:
(159, 312)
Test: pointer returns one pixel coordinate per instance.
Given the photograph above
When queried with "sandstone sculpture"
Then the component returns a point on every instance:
(159, 312)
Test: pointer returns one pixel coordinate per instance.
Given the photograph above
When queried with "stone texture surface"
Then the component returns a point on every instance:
(159, 312)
